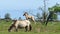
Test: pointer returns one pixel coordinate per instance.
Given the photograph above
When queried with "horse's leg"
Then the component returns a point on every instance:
(16, 28)
(30, 27)
(26, 28)
(33, 20)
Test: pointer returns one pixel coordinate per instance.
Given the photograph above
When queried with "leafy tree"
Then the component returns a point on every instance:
(54, 9)
(7, 16)
(53, 12)
(20, 18)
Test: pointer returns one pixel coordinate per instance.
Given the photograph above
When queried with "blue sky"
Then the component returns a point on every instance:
(17, 7)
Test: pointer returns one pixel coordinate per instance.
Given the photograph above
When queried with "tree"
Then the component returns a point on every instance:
(7, 16)
(44, 12)
(39, 17)
(55, 9)
(53, 12)
(20, 18)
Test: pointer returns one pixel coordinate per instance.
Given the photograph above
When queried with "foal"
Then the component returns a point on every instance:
(23, 23)
(29, 17)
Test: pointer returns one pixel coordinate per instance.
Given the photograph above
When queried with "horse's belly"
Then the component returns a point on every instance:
(22, 25)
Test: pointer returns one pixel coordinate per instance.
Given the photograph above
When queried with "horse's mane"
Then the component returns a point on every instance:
(26, 13)
(13, 25)
(14, 21)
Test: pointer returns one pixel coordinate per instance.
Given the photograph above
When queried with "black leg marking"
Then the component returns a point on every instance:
(30, 27)
(26, 28)
(16, 30)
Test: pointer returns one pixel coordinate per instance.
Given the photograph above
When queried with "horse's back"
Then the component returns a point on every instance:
(23, 23)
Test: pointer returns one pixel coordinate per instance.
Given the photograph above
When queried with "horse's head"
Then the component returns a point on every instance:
(13, 25)
(25, 14)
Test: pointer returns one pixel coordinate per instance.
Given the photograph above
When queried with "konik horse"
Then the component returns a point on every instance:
(29, 17)
(21, 23)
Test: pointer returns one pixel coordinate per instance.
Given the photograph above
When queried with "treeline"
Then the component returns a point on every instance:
(53, 11)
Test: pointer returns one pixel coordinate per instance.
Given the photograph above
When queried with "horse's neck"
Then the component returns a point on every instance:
(26, 15)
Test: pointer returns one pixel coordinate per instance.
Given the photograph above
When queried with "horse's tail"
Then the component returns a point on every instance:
(14, 21)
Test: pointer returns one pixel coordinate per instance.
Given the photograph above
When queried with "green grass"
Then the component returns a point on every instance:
(51, 28)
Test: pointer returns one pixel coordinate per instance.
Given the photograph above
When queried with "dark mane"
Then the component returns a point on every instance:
(13, 25)
(14, 21)
(25, 13)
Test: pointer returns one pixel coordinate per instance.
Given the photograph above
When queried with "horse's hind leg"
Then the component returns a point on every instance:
(30, 27)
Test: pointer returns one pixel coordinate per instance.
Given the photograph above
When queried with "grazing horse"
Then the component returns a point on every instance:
(21, 23)
(29, 17)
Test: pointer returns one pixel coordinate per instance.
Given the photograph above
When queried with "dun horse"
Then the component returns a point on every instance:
(29, 17)
(21, 23)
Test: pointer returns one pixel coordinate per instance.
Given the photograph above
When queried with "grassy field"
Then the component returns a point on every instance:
(51, 28)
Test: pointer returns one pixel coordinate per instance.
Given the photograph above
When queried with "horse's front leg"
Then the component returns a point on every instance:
(16, 28)
(33, 20)
(26, 28)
